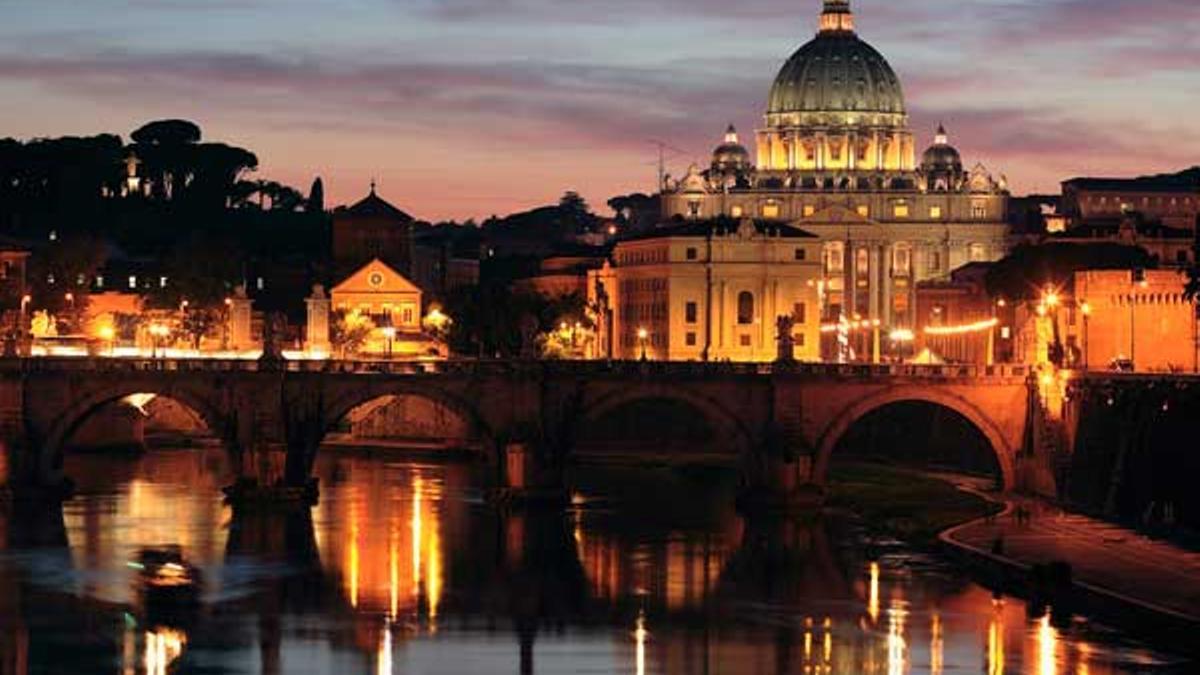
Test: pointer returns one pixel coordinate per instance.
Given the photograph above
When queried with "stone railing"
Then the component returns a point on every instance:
(518, 367)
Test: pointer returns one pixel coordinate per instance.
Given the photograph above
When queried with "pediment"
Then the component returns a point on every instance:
(837, 214)
(376, 277)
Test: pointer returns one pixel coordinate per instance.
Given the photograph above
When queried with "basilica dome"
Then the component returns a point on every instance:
(731, 155)
(836, 72)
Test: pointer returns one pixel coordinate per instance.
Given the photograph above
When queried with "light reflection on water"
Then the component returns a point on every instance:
(402, 569)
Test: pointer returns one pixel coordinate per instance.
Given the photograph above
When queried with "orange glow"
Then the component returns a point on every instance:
(639, 635)
(873, 597)
(1047, 638)
(936, 645)
(896, 644)
(163, 647)
(996, 640)
(976, 327)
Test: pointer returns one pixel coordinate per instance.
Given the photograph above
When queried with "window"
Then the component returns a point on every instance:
(744, 341)
(835, 257)
(800, 313)
(260, 284)
(132, 281)
(737, 212)
(900, 210)
(976, 253)
(935, 213)
(690, 338)
(902, 260)
(809, 210)
(864, 210)
(770, 210)
(406, 317)
(691, 312)
(691, 254)
(694, 209)
(978, 210)
(99, 281)
(935, 262)
(862, 263)
(162, 283)
(798, 339)
(801, 254)
(745, 308)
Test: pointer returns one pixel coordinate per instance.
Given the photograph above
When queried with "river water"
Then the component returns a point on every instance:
(402, 568)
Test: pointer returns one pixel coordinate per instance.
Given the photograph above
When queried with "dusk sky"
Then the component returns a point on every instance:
(472, 107)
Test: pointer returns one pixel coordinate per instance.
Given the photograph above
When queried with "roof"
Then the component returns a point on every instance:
(376, 277)
(374, 206)
(1184, 181)
(720, 227)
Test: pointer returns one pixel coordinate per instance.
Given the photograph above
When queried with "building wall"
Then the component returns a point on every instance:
(1151, 322)
(805, 207)
(1178, 208)
(662, 286)
(357, 240)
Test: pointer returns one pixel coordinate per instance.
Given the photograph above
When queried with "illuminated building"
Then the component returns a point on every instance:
(393, 305)
(1173, 199)
(372, 229)
(954, 317)
(836, 158)
(709, 290)
(1139, 316)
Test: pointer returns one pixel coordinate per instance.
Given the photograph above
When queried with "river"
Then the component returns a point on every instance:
(403, 568)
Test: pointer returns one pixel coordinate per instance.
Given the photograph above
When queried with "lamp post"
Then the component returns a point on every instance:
(389, 332)
(1085, 309)
(643, 335)
(108, 334)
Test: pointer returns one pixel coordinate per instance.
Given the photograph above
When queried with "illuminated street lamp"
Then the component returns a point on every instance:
(643, 335)
(109, 335)
(389, 332)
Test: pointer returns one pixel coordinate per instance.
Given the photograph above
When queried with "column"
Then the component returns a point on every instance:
(317, 334)
(852, 273)
(722, 318)
(876, 281)
(886, 271)
(820, 141)
(852, 150)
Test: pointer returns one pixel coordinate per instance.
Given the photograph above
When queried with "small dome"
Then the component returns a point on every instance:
(731, 154)
(941, 156)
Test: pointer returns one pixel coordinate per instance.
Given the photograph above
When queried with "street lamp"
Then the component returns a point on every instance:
(158, 332)
(1085, 308)
(108, 334)
(389, 332)
(643, 335)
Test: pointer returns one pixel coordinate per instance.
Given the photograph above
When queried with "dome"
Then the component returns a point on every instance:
(836, 72)
(731, 154)
(941, 155)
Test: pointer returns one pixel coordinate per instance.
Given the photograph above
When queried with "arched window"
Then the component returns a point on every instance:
(745, 308)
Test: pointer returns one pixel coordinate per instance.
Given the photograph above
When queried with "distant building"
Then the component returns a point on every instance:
(955, 319)
(369, 230)
(446, 258)
(564, 273)
(710, 290)
(1173, 199)
(836, 157)
(1170, 246)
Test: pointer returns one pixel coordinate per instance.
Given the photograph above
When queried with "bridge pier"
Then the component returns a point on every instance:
(781, 486)
(531, 477)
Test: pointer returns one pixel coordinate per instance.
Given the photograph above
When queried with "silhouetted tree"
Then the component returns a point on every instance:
(316, 197)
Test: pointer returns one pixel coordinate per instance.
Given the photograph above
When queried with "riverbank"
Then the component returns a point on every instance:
(1124, 578)
(912, 505)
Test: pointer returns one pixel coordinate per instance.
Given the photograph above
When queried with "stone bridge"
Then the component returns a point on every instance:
(779, 423)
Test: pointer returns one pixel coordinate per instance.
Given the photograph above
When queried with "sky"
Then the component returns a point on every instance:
(467, 108)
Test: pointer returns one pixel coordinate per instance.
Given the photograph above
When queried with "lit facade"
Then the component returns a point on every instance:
(1139, 317)
(393, 304)
(709, 291)
(1172, 199)
(836, 158)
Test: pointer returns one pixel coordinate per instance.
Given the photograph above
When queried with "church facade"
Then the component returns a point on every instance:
(836, 158)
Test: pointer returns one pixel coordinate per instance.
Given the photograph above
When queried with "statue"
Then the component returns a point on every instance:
(784, 325)
(272, 353)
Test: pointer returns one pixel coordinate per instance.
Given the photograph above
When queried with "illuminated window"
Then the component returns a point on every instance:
(694, 209)
(736, 211)
(935, 262)
(935, 212)
(976, 253)
(900, 210)
(260, 284)
(979, 210)
(862, 263)
(745, 308)
(99, 279)
(864, 210)
(132, 281)
(770, 210)
(162, 282)
(809, 210)
(406, 317)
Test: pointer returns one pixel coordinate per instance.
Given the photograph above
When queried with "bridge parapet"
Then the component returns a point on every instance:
(998, 374)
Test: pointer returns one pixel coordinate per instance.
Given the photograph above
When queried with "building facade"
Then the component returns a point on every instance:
(709, 291)
(392, 304)
(1173, 199)
(1138, 317)
(372, 229)
(836, 158)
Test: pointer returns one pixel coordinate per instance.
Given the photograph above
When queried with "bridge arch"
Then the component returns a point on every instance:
(77, 413)
(725, 422)
(358, 396)
(827, 442)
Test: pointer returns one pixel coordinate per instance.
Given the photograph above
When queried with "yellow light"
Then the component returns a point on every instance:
(902, 335)
(639, 635)
(389, 332)
(873, 593)
(1001, 303)
(1052, 298)
(107, 333)
(1086, 308)
(1047, 379)
(643, 333)
(1041, 310)
(976, 327)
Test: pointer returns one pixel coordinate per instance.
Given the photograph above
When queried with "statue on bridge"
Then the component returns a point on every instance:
(784, 325)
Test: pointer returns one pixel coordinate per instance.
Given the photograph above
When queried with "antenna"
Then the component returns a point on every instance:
(663, 148)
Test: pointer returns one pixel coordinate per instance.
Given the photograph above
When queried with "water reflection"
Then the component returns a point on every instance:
(401, 568)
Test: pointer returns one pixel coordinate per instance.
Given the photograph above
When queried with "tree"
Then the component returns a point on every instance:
(201, 269)
(1029, 269)
(316, 197)
(167, 132)
(199, 322)
(60, 276)
(349, 331)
